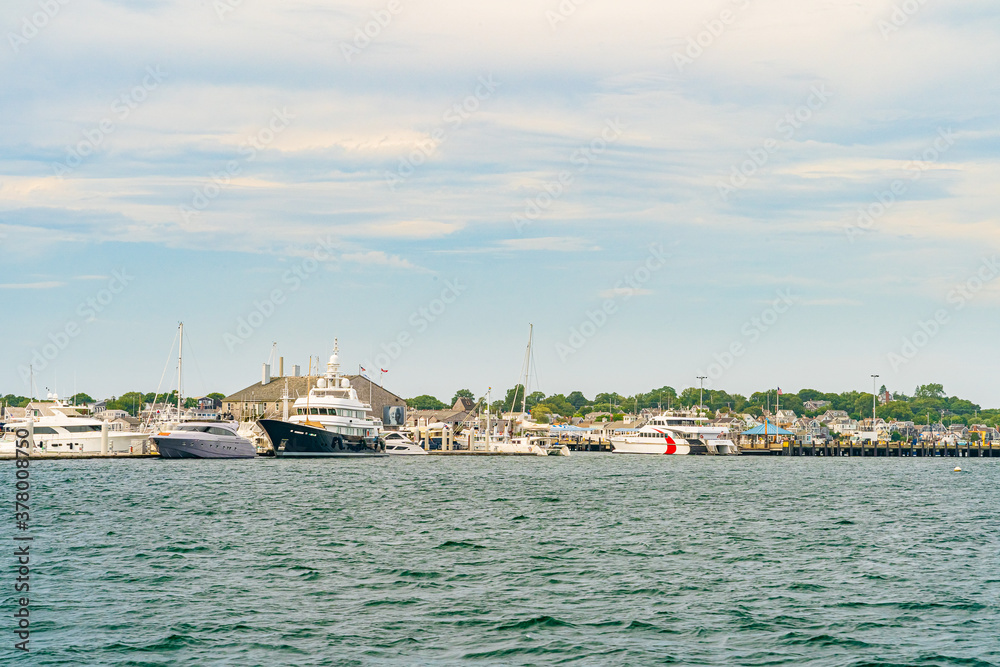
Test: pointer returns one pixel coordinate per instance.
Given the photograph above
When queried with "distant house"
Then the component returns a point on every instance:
(831, 415)
(783, 417)
(206, 403)
(815, 406)
(453, 416)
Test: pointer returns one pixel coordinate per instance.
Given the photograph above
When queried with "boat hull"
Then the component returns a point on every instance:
(289, 440)
(660, 448)
(174, 447)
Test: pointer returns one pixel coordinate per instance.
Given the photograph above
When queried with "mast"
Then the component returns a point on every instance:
(527, 369)
(180, 356)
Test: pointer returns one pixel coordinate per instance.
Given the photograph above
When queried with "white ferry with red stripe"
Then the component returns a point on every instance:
(675, 434)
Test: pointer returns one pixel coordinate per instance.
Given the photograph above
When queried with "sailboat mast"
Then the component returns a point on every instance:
(527, 369)
(180, 356)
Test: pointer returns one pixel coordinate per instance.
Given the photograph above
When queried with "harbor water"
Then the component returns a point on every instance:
(594, 559)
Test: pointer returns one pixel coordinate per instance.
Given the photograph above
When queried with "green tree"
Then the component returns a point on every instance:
(216, 395)
(425, 402)
(559, 404)
(190, 402)
(541, 414)
(577, 399)
(929, 391)
(81, 399)
(462, 393)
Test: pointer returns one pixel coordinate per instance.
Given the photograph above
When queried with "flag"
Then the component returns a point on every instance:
(384, 371)
(362, 368)
(779, 392)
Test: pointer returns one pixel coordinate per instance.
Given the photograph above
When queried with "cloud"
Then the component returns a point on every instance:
(408, 229)
(379, 258)
(616, 292)
(550, 244)
(41, 285)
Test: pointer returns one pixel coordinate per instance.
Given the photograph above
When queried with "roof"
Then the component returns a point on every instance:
(771, 430)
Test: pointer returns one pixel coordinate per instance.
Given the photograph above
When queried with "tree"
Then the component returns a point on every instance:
(929, 391)
(541, 414)
(558, 404)
(534, 398)
(577, 399)
(190, 402)
(462, 393)
(81, 399)
(425, 402)
(216, 396)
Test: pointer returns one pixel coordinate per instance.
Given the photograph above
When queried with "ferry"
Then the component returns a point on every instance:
(675, 434)
(329, 422)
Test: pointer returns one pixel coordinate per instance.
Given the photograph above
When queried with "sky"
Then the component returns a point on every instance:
(766, 193)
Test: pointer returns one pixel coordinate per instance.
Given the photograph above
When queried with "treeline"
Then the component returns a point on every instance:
(929, 403)
(131, 402)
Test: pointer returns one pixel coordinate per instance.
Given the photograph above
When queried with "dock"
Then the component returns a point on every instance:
(36, 456)
(880, 450)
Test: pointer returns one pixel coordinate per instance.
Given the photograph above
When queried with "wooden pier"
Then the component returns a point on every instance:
(882, 449)
(47, 456)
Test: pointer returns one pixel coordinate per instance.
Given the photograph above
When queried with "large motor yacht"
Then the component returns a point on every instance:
(61, 428)
(203, 440)
(675, 434)
(330, 421)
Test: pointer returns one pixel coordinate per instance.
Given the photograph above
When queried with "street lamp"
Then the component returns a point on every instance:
(701, 391)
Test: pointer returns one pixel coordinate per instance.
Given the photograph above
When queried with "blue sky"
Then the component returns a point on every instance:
(648, 203)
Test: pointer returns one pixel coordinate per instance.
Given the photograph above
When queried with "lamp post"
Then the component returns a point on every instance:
(701, 391)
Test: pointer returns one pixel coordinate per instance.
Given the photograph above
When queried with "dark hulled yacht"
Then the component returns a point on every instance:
(330, 421)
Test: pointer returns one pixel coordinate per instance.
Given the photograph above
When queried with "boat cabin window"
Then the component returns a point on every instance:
(218, 431)
(82, 429)
(314, 411)
(47, 430)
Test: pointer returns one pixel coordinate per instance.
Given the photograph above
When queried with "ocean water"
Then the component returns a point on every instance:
(595, 559)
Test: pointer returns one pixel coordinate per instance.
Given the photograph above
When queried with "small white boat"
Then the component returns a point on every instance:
(398, 444)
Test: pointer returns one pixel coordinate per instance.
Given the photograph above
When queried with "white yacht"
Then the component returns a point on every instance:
(203, 440)
(398, 444)
(675, 434)
(330, 421)
(59, 427)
